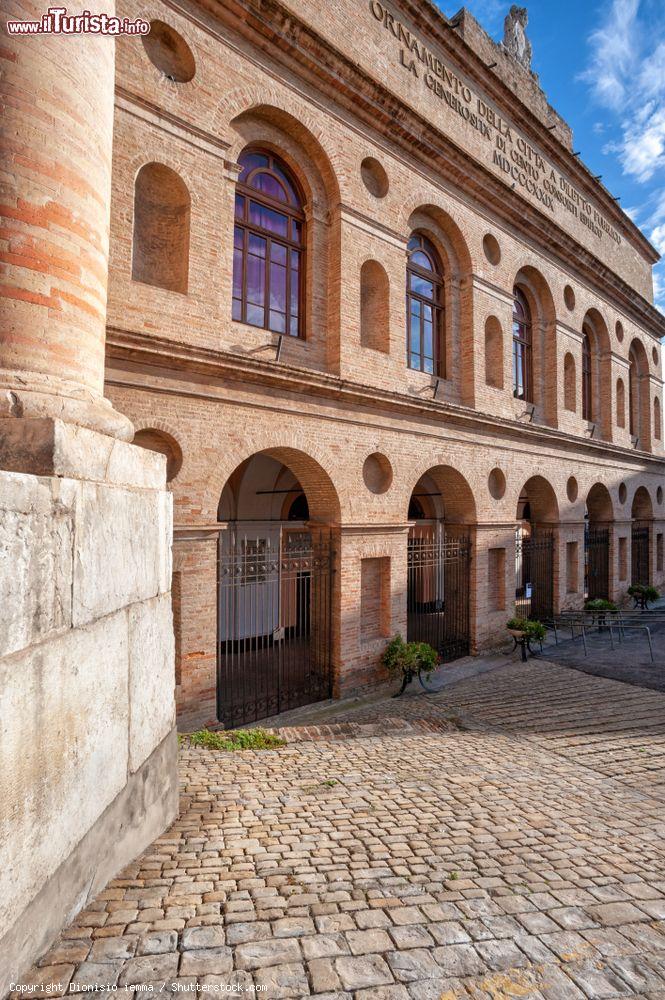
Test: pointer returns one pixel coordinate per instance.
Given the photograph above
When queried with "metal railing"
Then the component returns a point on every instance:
(615, 623)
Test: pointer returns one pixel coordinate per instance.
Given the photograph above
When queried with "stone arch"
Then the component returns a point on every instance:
(447, 495)
(599, 504)
(317, 485)
(639, 403)
(160, 240)
(541, 497)
(267, 121)
(569, 383)
(445, 234)
(601, 371)
(544, 354)
(374, 306)
(641, 508)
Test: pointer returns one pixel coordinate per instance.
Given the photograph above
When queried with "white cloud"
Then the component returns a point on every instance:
(626, 74)
(659, 287)
(613, 48)
(657, 237)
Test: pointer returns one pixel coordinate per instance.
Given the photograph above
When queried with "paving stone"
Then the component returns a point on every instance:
(286, 980)
(293, 927)
(112, 949)
(598, 983)
(357, 973)
(202, 937)
(257, 930)
(206, 961)
(149, 969)
(259, 954)
(412, 936)
(638, 972)
(448, 932)
(322, 975)
(458, 960)
(415, 964)
(66, 953)
(157, 942)
(324, 946)
(48, 980)
(611, 914)
(572, 918)
(102, 975)
(502, 954)
(364, 942)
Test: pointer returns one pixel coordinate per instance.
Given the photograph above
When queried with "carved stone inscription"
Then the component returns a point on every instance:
(507, 150)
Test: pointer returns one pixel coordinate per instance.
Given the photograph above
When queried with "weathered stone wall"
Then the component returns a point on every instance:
(88, 773)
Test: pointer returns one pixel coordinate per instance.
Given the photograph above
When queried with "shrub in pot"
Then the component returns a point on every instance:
(408, 659)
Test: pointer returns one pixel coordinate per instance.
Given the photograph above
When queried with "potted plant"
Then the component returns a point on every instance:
(517, 627)
(600, 604)
(408, 660)
(524, 631)
(642, 594)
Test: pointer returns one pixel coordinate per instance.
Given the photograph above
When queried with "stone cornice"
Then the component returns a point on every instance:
(266, 22)
(166, 356)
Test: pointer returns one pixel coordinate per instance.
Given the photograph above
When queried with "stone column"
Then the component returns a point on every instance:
(55, 161)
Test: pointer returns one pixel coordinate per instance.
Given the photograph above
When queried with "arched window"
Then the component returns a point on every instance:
(587, 392)
(522, 338)
(424, 306)
(633, 417)
(269, 246)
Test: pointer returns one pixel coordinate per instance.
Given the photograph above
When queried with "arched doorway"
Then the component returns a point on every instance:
(640, 542)
(275, 567)
(537, 511)
(598, 516)
(441, 510)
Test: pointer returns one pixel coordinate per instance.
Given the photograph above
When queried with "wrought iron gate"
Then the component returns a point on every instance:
(274, 623)
(639, 554)
(534, 575)
(438, 589)
(596, 562)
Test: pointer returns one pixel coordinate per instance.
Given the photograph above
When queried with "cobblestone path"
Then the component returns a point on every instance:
(521, 855)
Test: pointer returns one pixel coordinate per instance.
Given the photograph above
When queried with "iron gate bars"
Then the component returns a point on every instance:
(597, 562)
(438, 562)
(534, 575)
(639, 554)
(274, 622)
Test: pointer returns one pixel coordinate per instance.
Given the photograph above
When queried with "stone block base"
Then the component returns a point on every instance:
(144, 808)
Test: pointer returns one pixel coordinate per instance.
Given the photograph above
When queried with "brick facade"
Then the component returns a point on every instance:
(379, 152)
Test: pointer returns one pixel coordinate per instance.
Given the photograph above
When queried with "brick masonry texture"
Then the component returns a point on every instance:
(214, 390)
(501, 838)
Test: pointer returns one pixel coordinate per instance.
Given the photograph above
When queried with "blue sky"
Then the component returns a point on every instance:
(602, 66)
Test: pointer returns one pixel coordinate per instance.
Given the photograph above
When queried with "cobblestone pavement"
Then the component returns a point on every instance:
(502, 838)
